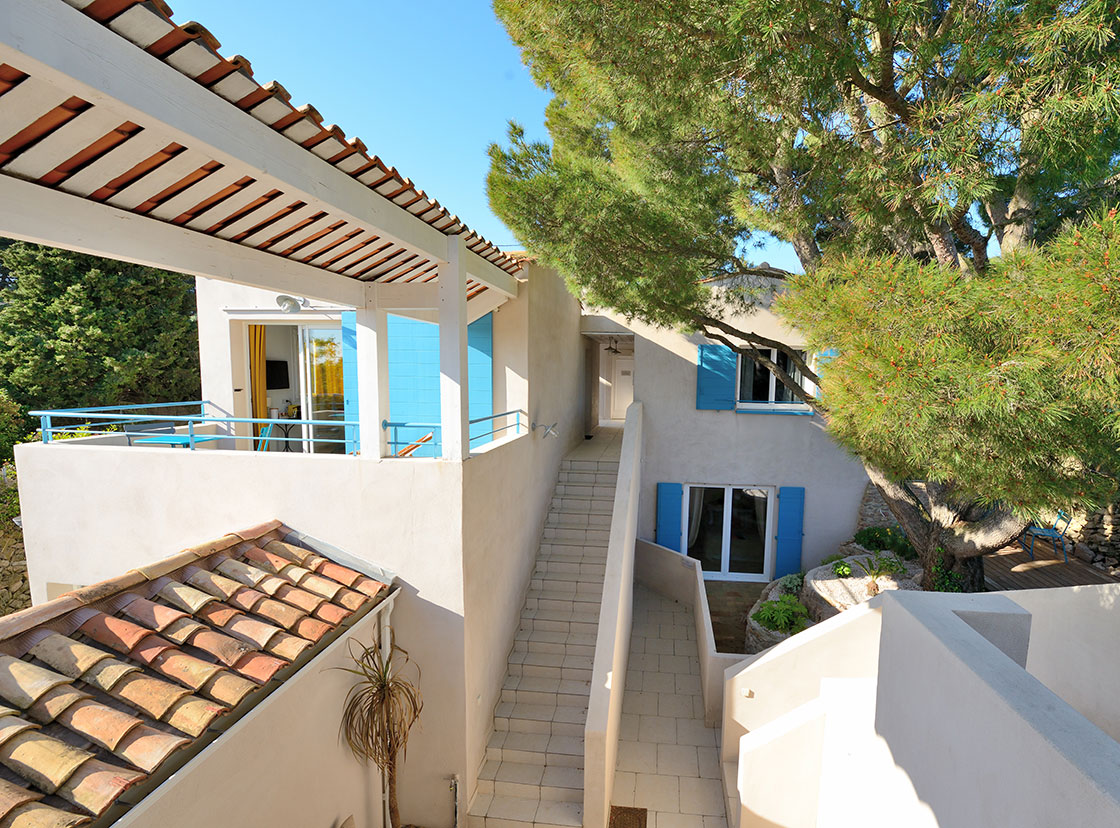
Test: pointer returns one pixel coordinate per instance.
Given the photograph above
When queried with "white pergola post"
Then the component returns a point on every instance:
(373, 376)
(455, 432)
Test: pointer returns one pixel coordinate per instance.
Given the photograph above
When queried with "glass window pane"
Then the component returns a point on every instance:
(705, 526)
(781, 393)
(754, 381)
(748, 530)
(324, 361)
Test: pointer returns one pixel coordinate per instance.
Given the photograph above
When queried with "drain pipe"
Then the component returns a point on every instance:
(454, 780)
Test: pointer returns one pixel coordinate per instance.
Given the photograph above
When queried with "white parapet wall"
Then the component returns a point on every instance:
(612, 643)
(925, 709)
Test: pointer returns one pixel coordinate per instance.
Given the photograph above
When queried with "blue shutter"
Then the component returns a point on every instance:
(669, 496)
(350, 378)
(791, 515)
(715, 378)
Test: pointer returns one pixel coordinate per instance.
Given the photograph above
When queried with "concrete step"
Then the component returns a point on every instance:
(535, 748)
(526, 717)
(576, 537)
(582, 505)
(566, 490)
(589, 478)
(556, 692)
(579, 520)
(553, 647)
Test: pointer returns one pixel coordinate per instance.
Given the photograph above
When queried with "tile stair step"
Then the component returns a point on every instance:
(521, 812)
(573, 575)
(586, 588)
(550, 671)
(596, 553)
(562, 599)
(577, 537)
(583, 650)
(550, 658)
(579, 521)
(556, 784)
(582, 490)
(589, 465)
(525, 717)
(582, 505)
(554, 638)
(575, 478)
(580, 627)
(546, 566)
(568, 616)
(535, 748)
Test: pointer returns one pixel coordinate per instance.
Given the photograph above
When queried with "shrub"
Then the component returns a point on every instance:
(839, 556)
(841, 569)
(13, 425)
(886, 539)
(785, 615)
(9, 496)
(791, 584)
(945, 579)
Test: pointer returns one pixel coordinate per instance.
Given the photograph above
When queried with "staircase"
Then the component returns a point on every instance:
(533, 772)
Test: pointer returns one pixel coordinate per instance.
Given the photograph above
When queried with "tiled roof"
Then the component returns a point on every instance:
(64, 142)
(107, 690)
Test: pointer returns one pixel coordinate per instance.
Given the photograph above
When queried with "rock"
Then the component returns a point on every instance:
(1083, 552)
(826, 594)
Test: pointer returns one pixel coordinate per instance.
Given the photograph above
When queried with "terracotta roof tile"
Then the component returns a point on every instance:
(284, 615)
(368, 586)
(67, 655)
(38, 815)
(122, 675)
(193, 715)
(104, 726)
(95, 785)
(184, 597)
(12, 796)
(42, 760)
(148, 695)
(259, 667)
(22, 683)
(55, 702)
(152, 615)
(147, 748)
(120, 634)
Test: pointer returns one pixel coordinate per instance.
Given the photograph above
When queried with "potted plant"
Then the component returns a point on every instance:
(380, 710)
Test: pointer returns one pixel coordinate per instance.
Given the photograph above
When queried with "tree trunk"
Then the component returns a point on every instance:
(394, 811)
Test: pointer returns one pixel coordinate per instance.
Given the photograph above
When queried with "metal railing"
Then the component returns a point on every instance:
(156, 424)
(414, 434)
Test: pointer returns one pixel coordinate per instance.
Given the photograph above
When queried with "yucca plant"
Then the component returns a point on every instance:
(380, 710)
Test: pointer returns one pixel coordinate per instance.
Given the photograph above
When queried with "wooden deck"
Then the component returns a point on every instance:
(1012, 568)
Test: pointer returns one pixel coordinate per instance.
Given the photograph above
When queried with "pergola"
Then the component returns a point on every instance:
(125, 135)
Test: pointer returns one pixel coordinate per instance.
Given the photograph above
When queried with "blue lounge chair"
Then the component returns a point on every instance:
(1050, 533)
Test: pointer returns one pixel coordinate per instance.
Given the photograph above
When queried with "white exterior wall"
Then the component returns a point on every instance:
(684, 445)
(508, 486)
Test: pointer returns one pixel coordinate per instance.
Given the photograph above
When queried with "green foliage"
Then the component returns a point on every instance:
(841, 569)
(791, 584)
(944, 579)
(886, 538)
(880, 566)
(77, 330)
(1005, 385)
(9, 495)
(785, 615)
(13, 425)
(837, 556)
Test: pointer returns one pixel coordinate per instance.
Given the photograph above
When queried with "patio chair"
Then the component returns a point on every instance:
(1050, 533)
(264, 437)
(411, 447)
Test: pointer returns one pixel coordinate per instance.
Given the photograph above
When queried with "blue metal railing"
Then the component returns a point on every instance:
(414, 434)
(154, 424)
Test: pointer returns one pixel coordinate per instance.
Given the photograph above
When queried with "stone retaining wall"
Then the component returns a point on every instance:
(1099, 530)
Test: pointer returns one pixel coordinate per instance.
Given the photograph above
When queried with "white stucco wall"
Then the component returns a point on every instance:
(283, 764)
(684, 445)
(508, 487)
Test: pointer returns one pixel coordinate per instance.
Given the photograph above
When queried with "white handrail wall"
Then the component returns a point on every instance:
(612, 643)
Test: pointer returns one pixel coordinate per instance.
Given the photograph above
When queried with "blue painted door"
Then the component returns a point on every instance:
(791, 519)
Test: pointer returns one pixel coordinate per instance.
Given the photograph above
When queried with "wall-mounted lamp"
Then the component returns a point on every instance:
(549, 430)
(291, 304)
(612, 348)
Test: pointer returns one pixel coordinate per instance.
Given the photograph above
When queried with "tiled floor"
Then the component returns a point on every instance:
(667, 759)
(605, 445)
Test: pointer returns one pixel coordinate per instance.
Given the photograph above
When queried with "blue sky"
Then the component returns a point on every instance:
(426, 85)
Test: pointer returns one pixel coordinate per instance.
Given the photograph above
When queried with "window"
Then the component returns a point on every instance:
(758, 386)
(727, 529)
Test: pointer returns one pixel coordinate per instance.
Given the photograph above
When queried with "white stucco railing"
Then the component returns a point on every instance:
(612, 643)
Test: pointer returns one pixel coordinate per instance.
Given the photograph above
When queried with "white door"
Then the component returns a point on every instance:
(622, 386)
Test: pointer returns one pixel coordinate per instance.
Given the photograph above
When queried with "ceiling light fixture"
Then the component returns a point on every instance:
(291, 304)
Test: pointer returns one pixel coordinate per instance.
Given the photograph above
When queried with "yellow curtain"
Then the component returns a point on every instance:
(258, 394)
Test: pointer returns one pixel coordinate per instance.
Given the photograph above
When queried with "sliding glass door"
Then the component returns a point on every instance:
(321, 358)
(727, 530)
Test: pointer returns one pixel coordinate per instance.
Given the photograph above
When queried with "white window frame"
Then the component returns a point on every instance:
(723, 574)
(769, 405)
